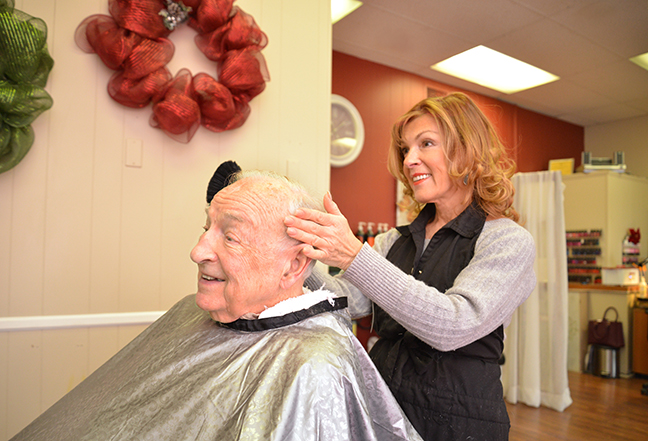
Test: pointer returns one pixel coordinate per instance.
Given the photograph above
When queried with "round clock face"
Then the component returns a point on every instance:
(347, 132)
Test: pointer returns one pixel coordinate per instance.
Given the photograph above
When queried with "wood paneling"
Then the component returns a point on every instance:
(364, 190)
(81, 232)
(542, 138)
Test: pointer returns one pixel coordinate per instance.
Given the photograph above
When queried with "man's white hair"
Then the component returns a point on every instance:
(295, 195)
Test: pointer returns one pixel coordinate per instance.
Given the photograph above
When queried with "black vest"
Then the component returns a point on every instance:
(448, 252)
(446, 395)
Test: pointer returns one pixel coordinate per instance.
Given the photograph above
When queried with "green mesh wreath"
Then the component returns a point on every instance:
(25, 65)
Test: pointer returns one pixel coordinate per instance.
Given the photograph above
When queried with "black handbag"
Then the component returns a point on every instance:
(606, 333)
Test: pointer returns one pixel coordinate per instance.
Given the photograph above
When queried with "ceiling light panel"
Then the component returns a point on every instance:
(342, 8)
(492, 69)
(641, 60)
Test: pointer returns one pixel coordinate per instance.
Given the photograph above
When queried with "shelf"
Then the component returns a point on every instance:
(598, 287)
(583, 251)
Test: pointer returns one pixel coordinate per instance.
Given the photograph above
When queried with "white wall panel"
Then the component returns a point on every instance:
(4, 382)
(106, 209)
(24, 380)
(65, 356)
(81, 232)
(6, 205)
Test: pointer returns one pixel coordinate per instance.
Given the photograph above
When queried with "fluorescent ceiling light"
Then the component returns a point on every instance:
(494, 70)
(641, 60)
(342, 8)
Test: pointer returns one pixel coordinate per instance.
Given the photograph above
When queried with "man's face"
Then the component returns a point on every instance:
(238, 271)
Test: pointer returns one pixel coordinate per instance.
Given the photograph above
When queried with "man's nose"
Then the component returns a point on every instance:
(203, 250)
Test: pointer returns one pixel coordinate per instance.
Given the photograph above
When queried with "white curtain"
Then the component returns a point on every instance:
(535, 370)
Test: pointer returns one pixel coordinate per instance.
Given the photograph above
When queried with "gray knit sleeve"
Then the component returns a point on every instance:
(484, 296)
(359, 305)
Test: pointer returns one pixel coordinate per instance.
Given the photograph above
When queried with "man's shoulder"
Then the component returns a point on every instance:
(183, 310)
(324, 338)
(322, 331)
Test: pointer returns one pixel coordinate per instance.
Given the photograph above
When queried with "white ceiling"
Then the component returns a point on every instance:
(587, 43)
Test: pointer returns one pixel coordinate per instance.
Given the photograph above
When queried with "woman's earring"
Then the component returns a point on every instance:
(465, 180)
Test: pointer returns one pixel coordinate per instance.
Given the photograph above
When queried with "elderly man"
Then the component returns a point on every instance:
(262, 359)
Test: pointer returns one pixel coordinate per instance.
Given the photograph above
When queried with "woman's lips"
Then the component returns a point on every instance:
(418, 177)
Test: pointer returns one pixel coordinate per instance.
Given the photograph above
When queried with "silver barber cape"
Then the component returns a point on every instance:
(299, 376)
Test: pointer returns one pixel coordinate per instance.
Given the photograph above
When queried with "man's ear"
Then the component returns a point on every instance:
(295, 270)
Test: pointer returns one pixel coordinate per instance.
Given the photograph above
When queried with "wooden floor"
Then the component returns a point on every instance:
(602, 409)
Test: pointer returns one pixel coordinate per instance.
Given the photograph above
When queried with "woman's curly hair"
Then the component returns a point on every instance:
(472, 148)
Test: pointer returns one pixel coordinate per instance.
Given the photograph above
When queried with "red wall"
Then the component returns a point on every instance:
(542, 138)
(364, 189)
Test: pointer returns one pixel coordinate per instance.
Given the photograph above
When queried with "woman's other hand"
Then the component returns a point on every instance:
(327, 236)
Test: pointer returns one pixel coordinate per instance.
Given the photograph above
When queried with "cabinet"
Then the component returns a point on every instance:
(610, 202)
(640, 341)
(589, 303)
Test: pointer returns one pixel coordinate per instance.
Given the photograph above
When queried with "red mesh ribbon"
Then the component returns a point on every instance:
(140, 16)
(138, 92)
(240, 32)
(242, 73)
(132, 41)
(215, 101)
(112, 43)
(177, 113)
(210, 14)
(147, 57)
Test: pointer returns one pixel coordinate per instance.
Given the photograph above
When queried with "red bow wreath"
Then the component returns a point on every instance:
(634, 236)
(132, 41)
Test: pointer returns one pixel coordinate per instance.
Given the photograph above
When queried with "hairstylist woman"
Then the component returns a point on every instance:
(443, 288)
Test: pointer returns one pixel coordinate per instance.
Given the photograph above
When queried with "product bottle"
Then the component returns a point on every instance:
(360, 234)
(370, 234)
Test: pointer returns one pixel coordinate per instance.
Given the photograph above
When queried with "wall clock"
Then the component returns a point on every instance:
(347, 132)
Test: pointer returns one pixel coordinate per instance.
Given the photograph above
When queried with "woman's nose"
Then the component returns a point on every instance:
(411, 158)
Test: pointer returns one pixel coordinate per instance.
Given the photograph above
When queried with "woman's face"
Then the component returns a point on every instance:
(424, 163)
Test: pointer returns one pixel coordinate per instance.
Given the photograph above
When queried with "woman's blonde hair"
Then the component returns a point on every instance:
(472, 148)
